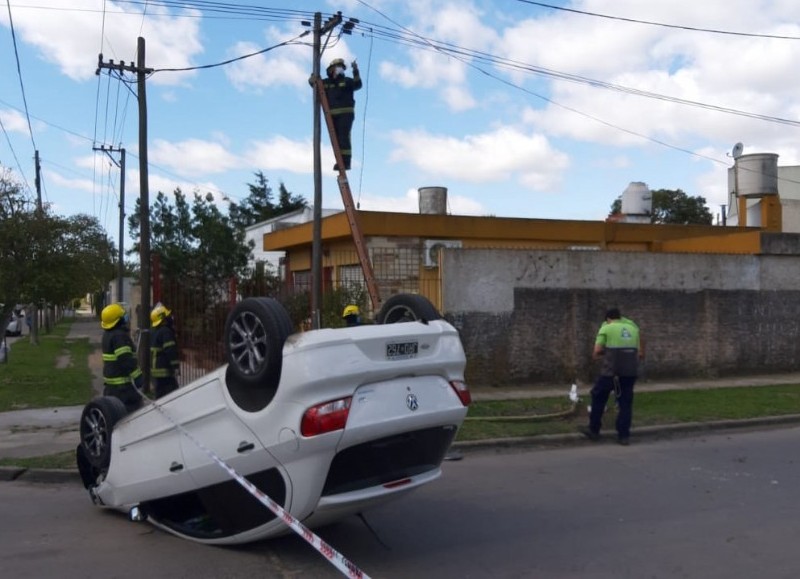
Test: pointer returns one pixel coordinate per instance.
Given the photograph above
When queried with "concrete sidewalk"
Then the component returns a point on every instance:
(42, 431)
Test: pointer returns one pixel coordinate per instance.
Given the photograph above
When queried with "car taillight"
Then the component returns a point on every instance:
(325, 417)
(463, 392)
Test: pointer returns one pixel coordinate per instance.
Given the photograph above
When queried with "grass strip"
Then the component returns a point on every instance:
(649, 409)
(53, 373)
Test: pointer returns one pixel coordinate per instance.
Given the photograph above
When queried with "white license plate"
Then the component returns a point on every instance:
(401, 350)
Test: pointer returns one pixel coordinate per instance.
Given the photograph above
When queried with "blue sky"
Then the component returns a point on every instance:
(504, 140)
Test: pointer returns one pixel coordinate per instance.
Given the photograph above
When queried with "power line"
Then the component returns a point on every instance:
(460, 53)
(19, 72)
(14, 154)
(229, 61)
(651, 23)
(596, 119)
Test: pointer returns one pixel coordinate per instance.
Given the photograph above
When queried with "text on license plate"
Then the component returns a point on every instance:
(401, 350)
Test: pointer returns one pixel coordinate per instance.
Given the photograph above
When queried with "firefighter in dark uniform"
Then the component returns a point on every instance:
(164, 356)
(121, 373)
(339, 90)
(620, 347)
(351, 315)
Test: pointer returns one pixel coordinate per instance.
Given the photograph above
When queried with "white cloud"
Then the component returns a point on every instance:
(193, 156)
(71, 39)
(14, 121)
(503, 154)
(449, 22)
(283, 66)
(282, 153)
(409, 203)
(743, 73)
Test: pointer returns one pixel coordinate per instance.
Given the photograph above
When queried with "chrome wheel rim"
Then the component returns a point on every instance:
(248, 343)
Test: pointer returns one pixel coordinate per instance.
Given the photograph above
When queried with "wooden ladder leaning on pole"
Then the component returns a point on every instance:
(349, 206)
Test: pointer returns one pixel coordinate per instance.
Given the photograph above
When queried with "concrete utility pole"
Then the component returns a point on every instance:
(316, 244)
(144, 201)
(121, 165)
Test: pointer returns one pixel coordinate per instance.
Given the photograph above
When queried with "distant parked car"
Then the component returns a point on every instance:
(14, 327)
(327, 423)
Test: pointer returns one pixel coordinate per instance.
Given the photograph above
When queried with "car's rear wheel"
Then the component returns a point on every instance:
(407, 308)
(97, 421)
(255, 332)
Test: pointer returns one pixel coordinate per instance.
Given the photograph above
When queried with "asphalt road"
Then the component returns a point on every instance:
(721, 505)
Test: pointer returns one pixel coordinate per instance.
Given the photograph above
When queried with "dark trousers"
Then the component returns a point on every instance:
(165, 385)
(342, 125)
(601, 390)
(127, 393)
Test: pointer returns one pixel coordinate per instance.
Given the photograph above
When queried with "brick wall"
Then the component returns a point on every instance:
(548, 333)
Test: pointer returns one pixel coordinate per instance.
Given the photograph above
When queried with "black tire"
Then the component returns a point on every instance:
(97, 422)
(283, 316)
(407, 308)
(255, 332)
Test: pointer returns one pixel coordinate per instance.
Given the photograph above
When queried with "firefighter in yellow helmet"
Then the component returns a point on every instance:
(164, 357)
(121, 373)
(339, 91)
(352, 315)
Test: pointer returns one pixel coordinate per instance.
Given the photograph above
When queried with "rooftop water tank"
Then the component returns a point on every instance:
(433, 200)
(756, 175)
(637, 203)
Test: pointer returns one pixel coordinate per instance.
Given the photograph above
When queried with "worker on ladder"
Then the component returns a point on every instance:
(339, 91)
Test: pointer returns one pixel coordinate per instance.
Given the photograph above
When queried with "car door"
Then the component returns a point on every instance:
(211, 425)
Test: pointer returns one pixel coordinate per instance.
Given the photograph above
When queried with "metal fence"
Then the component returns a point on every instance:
(200, 307)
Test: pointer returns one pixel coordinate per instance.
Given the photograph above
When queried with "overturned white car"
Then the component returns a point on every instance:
(327, 423)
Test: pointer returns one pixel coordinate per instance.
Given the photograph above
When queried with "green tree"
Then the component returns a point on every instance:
(16, 213)
(193, 240)
(46, 258)
(674, 206)
(259, 205)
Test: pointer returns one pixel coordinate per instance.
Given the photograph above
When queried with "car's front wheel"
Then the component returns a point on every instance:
(97, 421)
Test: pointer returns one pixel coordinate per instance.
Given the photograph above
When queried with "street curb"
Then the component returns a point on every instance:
(39, 475)
(10, 472)
(50, 475)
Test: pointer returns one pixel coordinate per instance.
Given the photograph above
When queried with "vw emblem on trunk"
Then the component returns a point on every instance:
(411, 402)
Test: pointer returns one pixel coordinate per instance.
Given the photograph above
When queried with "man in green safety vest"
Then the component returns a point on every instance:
(121, 373)
(620, 347)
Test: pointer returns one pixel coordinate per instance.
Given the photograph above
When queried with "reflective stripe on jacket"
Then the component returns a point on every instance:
(339, 91)
(164, 352)
(120, 365)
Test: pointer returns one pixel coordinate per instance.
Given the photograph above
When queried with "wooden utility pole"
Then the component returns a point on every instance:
(121, 165)
(144, 202)
(38, 180)
(316, 240)
(321, 103)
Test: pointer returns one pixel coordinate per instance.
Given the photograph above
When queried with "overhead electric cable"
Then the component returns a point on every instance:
(19, 73)
(14, 154)
(505, 63)
(551, 101)
(651, 23)
(229, 61)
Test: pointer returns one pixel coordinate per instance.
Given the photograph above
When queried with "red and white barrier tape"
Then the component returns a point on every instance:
(334, 557)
